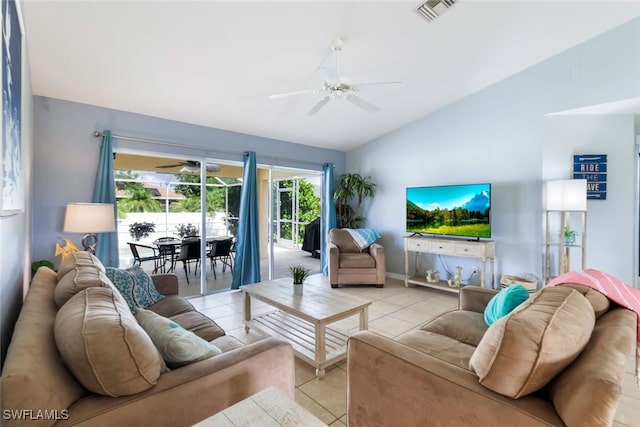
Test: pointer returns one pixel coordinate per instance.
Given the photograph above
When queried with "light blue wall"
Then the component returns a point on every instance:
(498, 135)
(66, 155)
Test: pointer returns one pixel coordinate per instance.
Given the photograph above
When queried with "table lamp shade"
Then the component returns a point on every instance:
(89, 218)
(567, 195)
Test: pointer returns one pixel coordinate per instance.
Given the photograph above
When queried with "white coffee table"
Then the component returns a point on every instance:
(302, 319)
(269, 407)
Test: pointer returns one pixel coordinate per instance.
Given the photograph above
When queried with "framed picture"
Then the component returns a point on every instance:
(11, 162)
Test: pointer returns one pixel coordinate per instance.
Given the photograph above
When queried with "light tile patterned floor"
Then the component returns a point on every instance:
(395, 310)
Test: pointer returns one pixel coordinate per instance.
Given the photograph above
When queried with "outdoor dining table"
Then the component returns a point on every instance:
(169, 249)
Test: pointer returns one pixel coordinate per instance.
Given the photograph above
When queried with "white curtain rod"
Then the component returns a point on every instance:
(98, 134)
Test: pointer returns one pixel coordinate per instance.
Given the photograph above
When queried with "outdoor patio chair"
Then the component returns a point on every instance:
(189, 253)
(142, 253)
(221, 250)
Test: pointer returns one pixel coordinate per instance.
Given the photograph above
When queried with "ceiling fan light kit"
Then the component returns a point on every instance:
(431, 9)
(336, 87)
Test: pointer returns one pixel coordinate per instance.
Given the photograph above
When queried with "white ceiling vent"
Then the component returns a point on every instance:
(431, 9)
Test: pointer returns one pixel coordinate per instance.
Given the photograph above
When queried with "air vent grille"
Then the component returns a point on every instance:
(431, 9)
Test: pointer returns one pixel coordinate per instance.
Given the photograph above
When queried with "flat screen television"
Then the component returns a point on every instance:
(451, 210)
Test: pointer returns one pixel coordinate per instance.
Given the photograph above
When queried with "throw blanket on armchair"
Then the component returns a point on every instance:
(614, 289)
(363, 237)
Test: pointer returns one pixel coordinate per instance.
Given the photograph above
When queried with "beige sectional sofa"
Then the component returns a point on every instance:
(135, 386)
(557, 359)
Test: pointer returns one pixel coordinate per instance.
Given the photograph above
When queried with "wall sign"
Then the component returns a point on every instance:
(593, 168)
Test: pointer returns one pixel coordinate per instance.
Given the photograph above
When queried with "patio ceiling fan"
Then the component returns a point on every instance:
(337, 87)
(192, 166)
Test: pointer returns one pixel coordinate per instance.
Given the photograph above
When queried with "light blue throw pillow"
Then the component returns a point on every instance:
(504, 302)
(135, 285)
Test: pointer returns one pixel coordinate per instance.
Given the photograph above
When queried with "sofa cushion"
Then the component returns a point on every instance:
(171, 305)
(504, 302)
(521, 352)
(135, 285)
(78, 279)
(199, 324)
(33, 375)
(587, 392)
(77, 259)
(461, 325)
(343, 240)
(103, 346)
(439, 346)
(357, 260)
(177, 346)
(598, 300)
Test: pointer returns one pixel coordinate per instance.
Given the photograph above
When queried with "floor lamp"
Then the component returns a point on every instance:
(89, 218)
(566, 196)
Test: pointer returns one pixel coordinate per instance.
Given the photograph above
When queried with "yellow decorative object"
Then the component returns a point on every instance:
(67, 249)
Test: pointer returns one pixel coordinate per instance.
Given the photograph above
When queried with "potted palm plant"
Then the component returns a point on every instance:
(569, 236)
(299, 274)
(352, 187)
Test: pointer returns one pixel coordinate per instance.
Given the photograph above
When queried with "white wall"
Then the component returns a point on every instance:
(610, 242)
(498, 135)
(15, 230)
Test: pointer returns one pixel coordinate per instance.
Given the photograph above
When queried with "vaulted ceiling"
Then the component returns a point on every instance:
(215, 63)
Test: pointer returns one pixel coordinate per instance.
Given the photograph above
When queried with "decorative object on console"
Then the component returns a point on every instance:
(67, 249)
(433, 276)
(89, 218)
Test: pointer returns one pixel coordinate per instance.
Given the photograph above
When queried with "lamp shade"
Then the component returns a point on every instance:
(567, 195)
(89, 218)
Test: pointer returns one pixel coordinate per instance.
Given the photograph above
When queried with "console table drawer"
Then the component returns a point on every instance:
(464, 249)
(436, 247)
(417, 245)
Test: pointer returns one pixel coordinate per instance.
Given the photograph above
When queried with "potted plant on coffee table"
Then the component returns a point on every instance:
(299, 274)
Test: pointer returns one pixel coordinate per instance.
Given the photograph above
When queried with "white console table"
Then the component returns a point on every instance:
(481, 249)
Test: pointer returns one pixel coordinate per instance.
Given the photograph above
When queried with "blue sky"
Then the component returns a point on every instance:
(445, 197)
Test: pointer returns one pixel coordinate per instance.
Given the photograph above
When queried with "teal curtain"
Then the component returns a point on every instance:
(328, 220)
(105, 192)
(247, 265)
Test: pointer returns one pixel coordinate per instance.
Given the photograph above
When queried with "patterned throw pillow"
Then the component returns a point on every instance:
(177, 345)
(136, 286)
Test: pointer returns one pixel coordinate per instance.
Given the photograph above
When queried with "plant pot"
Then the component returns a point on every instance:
(297, 289)
(569, 240)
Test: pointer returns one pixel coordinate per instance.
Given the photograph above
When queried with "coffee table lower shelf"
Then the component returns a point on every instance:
(302, 337)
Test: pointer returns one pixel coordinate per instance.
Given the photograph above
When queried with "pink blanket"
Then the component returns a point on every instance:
(614, 289)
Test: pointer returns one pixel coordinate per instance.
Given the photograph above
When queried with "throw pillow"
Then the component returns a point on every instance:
(136, 286)
(363, 237)
(177, 345)
(103, 346)
(504, 302)
(521, 352)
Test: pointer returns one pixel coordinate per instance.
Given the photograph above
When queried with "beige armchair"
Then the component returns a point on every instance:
(350, 266)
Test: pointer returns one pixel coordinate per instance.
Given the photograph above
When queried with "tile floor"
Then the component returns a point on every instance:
(395, 310)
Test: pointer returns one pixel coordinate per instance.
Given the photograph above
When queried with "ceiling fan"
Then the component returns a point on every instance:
(336, 87)
(192, 166)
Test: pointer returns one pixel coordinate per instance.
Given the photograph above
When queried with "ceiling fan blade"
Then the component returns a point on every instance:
(356, 100)
(168, 166)
(294, 93)
(360, 85)
(318, 106)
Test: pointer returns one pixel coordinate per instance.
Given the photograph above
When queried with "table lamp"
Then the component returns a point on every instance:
(89, 218)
